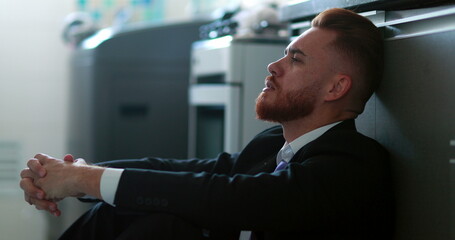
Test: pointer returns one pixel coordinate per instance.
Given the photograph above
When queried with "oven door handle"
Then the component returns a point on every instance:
(212, 94)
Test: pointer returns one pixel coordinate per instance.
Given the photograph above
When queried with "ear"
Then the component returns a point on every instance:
(339, 87)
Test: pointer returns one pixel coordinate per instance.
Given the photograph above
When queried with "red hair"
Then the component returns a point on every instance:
(360, 42)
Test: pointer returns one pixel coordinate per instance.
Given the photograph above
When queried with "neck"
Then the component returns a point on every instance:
(296, 128)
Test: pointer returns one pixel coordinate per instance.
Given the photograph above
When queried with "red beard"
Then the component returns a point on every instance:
(287, 107)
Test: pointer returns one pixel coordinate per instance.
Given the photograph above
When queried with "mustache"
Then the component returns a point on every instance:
(271, 82)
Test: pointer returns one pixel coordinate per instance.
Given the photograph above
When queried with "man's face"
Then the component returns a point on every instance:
(297, 81)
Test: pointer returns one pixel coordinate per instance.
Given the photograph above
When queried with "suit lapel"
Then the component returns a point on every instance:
(345, 125)
(260, 154)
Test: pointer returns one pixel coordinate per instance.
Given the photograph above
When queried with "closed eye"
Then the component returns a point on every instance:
(294, 59)
(293, 53)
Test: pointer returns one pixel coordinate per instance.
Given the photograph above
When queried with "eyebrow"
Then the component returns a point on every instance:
(294, 51)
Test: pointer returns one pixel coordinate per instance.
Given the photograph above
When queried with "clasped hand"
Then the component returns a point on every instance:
(48, 180)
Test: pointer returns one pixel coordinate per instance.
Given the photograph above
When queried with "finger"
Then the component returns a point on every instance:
(56, 213)
(27, 173)
(81, 161)
(35, 166)
(41, 156)
(69, 158)
(30, 189)
(53, 208)
(44, 159)
(46, 205)
(42, 204)
(27, 198)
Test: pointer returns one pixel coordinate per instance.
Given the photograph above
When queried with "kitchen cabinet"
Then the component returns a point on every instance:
(413, 116)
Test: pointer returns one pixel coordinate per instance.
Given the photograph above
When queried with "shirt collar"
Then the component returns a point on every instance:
(289, 149)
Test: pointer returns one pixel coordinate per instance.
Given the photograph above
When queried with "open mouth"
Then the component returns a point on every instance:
(269, 85)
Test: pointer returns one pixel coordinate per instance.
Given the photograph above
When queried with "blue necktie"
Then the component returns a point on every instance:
(285, 156)
(281, 165)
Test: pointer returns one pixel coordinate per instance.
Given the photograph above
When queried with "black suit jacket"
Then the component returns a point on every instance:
(336, 187)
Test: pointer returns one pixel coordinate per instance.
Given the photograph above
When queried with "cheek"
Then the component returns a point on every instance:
(314, 76)
(312, 72)
(299, 80)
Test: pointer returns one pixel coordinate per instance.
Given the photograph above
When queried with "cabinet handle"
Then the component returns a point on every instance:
(436, 21)
(452, 144)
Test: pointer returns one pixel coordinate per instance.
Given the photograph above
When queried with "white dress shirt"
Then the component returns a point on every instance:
(289, 149)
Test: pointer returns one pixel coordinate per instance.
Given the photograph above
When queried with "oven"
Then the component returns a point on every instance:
(226, 76)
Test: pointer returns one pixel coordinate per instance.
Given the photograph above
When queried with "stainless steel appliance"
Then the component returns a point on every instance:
(129, 92)
(226, 77)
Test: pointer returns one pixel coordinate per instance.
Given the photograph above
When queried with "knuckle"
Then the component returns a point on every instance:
(27, 186)
(38, 205)
(23, 183)
(24, 172)
(32, 162)
(28, 199)
(34, 167)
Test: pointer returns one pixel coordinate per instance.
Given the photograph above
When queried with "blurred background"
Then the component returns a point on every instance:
(103, 79)
(33, 101)
(37, 44)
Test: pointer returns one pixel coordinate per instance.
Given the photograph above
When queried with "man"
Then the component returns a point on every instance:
(313, 177)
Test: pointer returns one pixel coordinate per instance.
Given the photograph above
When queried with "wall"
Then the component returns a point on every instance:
(107, 12)
(412, 116)
(33, 89)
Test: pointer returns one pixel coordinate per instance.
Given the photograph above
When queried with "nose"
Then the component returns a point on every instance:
(274, 68)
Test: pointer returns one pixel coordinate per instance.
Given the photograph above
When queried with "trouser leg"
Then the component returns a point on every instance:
(161, 227)
(106, 222)
(97, 221)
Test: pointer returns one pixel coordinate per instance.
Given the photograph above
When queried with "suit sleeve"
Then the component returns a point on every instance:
(326, 187)
(222, 164)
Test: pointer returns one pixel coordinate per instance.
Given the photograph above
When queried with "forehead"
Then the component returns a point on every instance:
(313, 40)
